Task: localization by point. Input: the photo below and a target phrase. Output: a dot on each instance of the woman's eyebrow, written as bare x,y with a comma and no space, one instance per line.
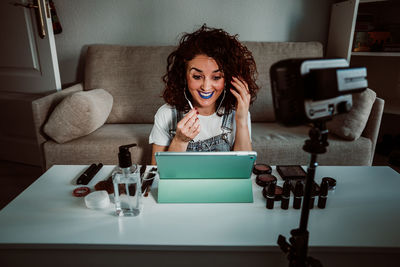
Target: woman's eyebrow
196,69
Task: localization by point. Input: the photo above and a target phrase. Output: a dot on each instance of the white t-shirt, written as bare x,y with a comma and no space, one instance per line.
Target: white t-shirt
210,126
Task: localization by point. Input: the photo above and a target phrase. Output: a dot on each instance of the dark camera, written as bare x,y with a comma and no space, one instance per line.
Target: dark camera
307,90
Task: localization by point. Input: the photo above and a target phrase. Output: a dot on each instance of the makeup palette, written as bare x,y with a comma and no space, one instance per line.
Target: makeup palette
291,172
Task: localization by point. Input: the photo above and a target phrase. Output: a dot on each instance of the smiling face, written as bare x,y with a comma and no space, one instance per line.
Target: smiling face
205,83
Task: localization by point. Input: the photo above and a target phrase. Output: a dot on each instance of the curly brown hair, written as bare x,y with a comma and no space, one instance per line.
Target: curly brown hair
233,58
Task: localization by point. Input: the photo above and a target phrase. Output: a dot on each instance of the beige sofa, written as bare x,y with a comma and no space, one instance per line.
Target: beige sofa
132,75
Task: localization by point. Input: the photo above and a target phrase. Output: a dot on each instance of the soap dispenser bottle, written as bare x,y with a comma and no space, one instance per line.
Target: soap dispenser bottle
127,184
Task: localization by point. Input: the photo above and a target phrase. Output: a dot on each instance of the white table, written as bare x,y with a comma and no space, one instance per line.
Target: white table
47,226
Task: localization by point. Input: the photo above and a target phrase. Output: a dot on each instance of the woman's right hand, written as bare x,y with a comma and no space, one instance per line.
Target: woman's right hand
188,128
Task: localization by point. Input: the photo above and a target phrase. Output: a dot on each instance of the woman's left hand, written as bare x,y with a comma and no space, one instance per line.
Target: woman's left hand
243,98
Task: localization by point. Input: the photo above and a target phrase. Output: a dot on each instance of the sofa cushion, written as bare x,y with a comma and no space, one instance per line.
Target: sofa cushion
102,146
266,54
276,144
350,125
43,107
78,115
132,75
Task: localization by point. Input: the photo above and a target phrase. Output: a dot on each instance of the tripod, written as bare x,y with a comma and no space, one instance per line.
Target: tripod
298,246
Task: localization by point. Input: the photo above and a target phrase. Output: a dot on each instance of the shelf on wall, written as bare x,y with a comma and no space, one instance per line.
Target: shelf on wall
376,54
371,1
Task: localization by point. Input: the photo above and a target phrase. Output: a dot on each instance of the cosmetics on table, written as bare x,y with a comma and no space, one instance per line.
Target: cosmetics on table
312,197
147,181
265,179
97,200
94,172
278,192
81,191
85,174
88,175
285,195
271,195
127,175
291,172
298,194
331,182
316,188
323,194
261,168
294,179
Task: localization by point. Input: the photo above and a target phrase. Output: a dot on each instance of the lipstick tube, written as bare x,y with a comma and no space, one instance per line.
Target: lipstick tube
312,197
323,194
285,195
298,193
314,193
271,195
83,177
92,173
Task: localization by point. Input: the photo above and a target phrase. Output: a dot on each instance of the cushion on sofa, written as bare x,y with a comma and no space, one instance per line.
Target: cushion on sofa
78,115
351,125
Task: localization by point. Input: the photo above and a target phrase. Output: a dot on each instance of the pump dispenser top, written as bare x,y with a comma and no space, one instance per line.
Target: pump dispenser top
124,156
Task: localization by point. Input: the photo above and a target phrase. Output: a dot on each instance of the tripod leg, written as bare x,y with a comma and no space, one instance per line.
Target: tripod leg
299,241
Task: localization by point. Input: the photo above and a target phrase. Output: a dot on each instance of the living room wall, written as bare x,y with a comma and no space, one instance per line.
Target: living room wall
160,22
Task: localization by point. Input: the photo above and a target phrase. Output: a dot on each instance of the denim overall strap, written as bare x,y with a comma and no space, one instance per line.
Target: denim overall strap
179,117
227,122
172,129
176,117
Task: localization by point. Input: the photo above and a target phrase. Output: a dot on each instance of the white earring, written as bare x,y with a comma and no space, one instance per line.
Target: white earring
223,97
190,103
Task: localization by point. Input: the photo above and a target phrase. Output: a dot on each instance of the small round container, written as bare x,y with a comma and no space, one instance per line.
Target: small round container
81,191
265,179
262,169
331,182
278,192
97,200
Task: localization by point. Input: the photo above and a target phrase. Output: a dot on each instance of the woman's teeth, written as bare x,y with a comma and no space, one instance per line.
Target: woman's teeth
206,95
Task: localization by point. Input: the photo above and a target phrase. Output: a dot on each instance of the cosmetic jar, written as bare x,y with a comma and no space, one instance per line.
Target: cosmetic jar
262,169
97,200
265,179
331,182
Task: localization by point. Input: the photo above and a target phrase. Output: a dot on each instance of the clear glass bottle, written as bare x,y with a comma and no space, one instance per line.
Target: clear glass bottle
127,185
127,191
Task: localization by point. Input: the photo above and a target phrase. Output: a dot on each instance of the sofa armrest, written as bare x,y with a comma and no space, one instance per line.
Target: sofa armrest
371,130
42,108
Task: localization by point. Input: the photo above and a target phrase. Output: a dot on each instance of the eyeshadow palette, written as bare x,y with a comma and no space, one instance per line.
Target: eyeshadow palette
291,172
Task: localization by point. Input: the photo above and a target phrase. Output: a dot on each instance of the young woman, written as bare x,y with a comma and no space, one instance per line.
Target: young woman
209,86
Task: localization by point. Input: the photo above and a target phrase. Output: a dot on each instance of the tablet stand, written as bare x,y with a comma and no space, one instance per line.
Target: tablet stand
298,246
